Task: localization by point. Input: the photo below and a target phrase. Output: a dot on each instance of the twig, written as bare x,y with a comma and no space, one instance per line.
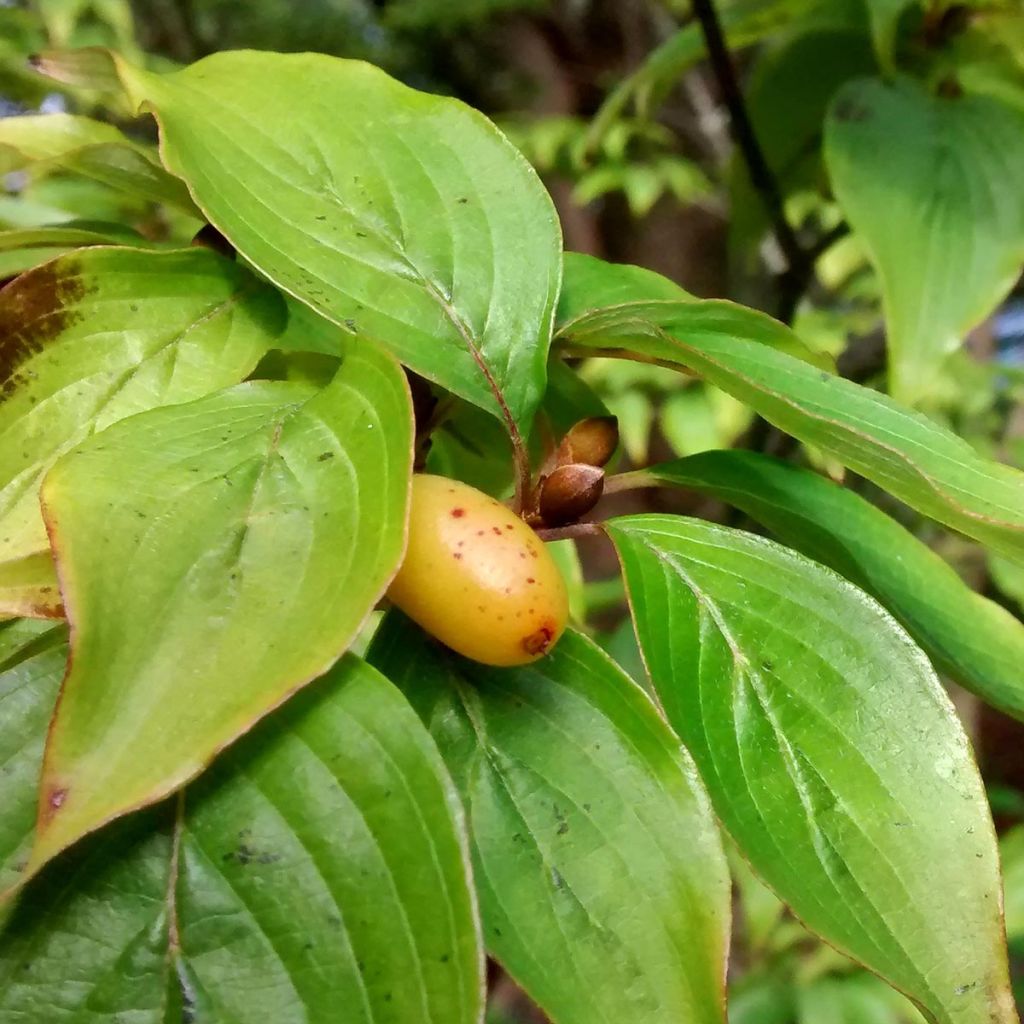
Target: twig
800,261
761,175
571,532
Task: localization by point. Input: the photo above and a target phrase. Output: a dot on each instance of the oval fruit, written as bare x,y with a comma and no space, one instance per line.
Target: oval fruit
477,577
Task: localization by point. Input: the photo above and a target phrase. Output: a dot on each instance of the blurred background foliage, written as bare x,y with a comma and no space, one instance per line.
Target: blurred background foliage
618,107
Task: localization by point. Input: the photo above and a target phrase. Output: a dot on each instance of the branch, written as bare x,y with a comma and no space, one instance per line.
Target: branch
571,532
761,175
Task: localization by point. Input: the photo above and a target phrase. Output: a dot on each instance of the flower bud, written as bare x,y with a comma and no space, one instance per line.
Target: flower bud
591,441
570,492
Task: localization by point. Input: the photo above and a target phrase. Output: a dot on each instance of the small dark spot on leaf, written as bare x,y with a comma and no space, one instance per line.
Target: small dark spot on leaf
324,456
458,513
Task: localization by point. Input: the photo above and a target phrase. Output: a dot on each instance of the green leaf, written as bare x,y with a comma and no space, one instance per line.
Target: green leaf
788,95
88,68
71,235
602,883
213,557
831,753
16,261
1011,849
41,137
567,558
22,249
638,317
32,656
743,22
973,639
101,334
912,457
589,284
318,868
28,587
1008,577
929,184
45,143
857,999
885,19
410,219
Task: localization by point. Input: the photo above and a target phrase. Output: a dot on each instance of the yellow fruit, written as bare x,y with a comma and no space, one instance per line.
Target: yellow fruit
477,577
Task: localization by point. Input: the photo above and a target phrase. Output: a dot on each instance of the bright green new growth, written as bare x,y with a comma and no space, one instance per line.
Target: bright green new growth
214,557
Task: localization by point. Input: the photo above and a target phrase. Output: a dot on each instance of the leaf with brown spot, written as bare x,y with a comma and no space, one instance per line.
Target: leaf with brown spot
29,589
101,334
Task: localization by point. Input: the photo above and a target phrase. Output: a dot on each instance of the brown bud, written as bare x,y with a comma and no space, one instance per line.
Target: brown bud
570,492
591,441
208,237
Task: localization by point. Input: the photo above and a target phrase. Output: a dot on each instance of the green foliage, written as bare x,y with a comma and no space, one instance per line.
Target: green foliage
573,787
289,881
635,158
83,359
247,545
205,463
821,758
915,459
920,178
377,224
980,644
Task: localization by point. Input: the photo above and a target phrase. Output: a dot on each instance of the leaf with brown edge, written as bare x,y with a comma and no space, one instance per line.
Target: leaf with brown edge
409,218
32,659
603,887
320,863
214,557
831,754
967,636
909,455
100,334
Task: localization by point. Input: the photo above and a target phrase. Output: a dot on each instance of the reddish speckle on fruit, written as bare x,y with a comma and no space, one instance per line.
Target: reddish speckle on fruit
484,605
538,642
